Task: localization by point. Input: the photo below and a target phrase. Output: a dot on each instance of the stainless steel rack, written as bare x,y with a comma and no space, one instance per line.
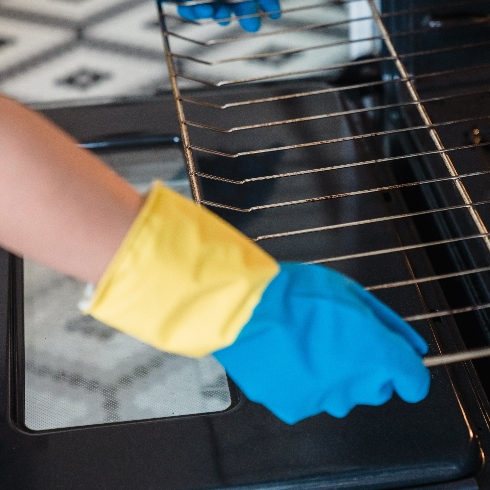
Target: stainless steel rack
431,80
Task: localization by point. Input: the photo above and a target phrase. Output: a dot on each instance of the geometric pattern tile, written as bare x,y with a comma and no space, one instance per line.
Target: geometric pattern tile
21,41
140,26
78,10
84,72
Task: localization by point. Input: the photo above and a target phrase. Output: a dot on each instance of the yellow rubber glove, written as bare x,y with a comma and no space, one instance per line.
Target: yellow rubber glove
183,280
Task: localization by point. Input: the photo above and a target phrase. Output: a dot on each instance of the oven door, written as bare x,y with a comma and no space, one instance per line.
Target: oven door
83,407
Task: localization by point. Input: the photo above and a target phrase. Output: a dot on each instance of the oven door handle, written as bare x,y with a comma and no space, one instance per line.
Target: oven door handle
126,141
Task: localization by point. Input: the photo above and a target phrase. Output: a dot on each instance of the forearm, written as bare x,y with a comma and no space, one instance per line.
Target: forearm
59,205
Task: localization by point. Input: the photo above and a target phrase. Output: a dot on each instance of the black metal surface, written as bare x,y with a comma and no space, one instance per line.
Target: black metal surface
388,447
407,444
459,78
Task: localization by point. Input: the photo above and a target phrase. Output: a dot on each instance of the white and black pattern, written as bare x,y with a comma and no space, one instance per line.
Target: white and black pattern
85,73
81,11
38,37
62,50
140,26
22,43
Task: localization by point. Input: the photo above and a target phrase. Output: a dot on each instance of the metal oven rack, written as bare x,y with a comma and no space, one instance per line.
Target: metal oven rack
376,166
269,144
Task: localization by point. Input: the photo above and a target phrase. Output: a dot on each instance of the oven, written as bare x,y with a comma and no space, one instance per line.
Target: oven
366,152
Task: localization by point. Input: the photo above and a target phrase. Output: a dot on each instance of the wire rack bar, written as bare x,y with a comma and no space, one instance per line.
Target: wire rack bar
420,280
350,194
401,248
291,74
431,128
328,115
269,54
295,95
189,158
381,219
427,126
297,173
332,3
335,66
242,37
290,30
449,312
467,355
337,90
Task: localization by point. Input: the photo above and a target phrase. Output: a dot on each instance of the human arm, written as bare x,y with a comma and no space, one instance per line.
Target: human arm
300,339
59,204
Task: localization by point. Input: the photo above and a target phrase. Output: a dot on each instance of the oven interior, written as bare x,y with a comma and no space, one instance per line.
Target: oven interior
376,167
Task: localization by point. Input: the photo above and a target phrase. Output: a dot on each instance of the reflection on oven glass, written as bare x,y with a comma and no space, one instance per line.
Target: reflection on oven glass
80,372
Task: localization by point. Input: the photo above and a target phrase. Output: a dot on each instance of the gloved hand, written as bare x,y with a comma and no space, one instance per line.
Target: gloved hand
318,341
221,10
300,339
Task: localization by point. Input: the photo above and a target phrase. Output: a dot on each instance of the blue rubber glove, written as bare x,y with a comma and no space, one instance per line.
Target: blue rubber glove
221,10
318,341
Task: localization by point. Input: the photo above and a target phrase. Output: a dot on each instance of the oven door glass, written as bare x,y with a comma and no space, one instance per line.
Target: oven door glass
80,372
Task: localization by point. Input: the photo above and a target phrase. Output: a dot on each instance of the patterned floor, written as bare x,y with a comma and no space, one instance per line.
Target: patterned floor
67,50
78,371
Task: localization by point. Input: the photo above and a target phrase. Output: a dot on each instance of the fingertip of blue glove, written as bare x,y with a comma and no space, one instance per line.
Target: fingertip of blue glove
204,10
186,12
250,24
222,12
339,412
287,418
415,388
222,15
271,6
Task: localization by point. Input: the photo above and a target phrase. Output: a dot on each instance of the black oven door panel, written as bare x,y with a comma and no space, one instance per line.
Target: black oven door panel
439,443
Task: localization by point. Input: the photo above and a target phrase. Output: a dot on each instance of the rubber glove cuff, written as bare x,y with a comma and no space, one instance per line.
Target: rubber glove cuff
183,280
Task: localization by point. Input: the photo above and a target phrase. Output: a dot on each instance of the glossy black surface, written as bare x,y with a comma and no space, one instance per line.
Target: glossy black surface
397,445
372,448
